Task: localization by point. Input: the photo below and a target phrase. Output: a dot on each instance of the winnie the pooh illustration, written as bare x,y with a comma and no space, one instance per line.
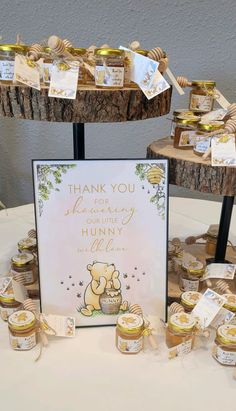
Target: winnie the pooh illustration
104,276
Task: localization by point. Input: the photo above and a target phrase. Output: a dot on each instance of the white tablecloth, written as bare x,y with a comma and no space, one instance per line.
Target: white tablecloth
88,373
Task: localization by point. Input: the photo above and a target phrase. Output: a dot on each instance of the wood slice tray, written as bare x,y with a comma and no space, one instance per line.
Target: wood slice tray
198,250
190,171
91,105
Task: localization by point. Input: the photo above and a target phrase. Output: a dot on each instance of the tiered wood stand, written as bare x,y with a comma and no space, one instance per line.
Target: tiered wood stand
91,105
190,171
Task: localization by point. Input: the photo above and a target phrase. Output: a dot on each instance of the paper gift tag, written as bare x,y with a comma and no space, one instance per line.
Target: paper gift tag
144,72
226,271
4,283
214,115
20,291
221,100
180,349
26,72
224,316
223,150
64,81
62,325
207,307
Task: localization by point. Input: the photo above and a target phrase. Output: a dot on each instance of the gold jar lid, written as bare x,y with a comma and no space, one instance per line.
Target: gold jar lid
196,268
142,52
190,120
7,296
204,83
226,334
78,51
190,298
181,322
211,125
192,265
27,243
230,302
130,323
15,48
109,52
22,259
21,320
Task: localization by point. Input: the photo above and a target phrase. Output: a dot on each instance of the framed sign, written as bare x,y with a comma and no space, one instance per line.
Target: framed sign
102,237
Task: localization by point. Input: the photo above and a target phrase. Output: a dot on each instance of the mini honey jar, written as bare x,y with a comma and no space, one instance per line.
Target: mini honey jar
27,245
190,279
81,53
224,349
211,239
201,98
202,141
189,299
109,69
179,112
180,329
185,131
8,304
7,60
129,333
24,263
230,302
22,327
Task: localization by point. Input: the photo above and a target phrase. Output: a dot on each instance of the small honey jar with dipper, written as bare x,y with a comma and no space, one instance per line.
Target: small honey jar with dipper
129,333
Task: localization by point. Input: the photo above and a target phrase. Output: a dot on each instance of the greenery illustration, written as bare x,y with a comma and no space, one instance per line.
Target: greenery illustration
155,175
49,177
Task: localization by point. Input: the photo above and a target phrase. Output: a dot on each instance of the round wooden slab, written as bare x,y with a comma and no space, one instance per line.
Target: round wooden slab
91,105
190,171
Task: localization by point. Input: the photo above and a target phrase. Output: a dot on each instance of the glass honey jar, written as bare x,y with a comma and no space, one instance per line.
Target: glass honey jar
7,60
190,278
27,245
81,53
180,330
22,327
224,349
24,263
211,239
201,97
230,302
202,141
189,299
109,69
129,333
8,304
185,132
179,112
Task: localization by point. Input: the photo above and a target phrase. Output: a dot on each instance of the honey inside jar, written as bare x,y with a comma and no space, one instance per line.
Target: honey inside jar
189,299
180,329
185,132
201,97
224,349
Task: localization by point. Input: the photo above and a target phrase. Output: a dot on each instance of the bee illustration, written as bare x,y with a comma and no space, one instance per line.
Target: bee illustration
127,287
67,288
81,283
143,187
125,275
138,279
133,276
135,268
62,282
73,284
144,273
70,276
79,295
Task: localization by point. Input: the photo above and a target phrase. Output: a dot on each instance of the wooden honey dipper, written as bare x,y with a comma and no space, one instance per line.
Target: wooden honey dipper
136,309
229,127
32,233
183,81
163,64
223,287
35,52
156,54
58,47
67,44
175,308
231,110
19,278
134,45
29,305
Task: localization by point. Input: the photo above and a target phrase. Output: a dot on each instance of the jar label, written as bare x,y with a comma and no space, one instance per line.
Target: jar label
129,346
47,69
202,146
28,275
181,349
224,357
6,70
190,285
109,76
5,312
23,343
187,138
201,103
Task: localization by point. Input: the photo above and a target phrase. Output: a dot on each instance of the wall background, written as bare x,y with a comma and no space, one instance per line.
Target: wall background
199,38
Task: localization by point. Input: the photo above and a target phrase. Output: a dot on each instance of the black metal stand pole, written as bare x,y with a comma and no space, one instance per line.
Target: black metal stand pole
78,141
226,212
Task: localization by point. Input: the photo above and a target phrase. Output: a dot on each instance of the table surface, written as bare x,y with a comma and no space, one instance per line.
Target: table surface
88,372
